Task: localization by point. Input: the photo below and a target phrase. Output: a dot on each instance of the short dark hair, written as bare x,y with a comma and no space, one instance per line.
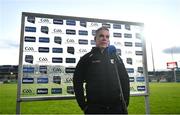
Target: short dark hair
101,28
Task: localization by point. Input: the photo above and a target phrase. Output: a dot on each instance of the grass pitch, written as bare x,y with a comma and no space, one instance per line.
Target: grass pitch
164,99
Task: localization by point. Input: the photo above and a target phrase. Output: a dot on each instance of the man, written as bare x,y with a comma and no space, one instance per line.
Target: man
105,79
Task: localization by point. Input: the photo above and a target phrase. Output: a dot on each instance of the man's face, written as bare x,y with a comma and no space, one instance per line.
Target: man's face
102,39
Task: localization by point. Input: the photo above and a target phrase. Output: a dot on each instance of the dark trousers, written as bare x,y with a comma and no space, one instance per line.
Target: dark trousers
103,109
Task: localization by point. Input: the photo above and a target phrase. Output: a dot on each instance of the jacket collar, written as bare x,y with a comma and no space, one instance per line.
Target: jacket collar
98,50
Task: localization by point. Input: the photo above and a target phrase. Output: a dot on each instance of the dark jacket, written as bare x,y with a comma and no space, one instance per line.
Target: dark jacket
97,71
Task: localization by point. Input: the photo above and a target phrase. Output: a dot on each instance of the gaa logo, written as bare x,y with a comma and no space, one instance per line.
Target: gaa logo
118,44
94,24
43,59
57,31
70,41
27,91
44,20
128,52
82,50
29,49
57,70
68,80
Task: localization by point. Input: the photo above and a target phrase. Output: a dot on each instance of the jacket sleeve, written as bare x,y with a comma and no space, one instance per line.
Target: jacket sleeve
78,84
124,78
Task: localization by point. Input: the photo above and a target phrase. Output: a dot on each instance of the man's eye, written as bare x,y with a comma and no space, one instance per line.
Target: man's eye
107,36
101,35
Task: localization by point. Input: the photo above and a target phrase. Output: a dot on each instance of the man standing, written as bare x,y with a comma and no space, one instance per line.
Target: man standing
105,77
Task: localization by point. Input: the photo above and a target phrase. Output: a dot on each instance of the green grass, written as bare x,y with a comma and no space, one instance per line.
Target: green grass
164,99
